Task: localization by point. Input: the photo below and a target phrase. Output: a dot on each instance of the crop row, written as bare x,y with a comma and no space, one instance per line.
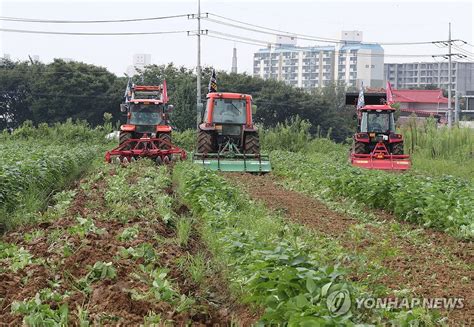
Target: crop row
274,264
30,172
130,223
444,203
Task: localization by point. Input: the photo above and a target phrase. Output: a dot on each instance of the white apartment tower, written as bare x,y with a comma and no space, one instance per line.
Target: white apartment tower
352,62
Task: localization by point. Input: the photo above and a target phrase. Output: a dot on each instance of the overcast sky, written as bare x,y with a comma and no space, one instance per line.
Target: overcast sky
380,21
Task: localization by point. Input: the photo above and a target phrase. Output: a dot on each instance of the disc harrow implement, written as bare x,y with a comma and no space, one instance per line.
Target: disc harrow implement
158,149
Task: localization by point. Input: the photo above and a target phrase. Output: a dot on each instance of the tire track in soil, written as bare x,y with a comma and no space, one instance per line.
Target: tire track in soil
430,273
112,297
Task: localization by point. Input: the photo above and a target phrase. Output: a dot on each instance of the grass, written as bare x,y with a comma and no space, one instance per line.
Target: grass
183,230
440,150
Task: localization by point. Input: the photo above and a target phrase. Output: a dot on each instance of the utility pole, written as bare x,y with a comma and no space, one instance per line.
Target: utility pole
450,109
449,56
198,68
199,32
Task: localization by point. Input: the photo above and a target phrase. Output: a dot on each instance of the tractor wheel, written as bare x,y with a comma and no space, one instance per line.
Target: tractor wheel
124,136
205,142
252,144
166,137
360,148
397,148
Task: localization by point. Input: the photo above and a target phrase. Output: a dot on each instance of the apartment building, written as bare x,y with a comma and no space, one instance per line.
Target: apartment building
422,74
352,62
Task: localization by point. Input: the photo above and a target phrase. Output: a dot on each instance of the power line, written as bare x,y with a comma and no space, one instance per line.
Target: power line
88,33
54,21
237,38
300,36
233,40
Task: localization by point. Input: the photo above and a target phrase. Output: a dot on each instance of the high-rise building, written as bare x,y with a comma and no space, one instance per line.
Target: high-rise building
422,74
352,62
140,61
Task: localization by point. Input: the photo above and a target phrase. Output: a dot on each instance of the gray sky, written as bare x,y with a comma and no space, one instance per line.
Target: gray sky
380,21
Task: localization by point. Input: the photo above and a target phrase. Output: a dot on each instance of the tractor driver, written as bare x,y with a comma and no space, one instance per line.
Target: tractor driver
378,123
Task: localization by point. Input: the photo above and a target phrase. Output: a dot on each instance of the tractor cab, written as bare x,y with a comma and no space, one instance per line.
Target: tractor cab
146,110
145,116
377,121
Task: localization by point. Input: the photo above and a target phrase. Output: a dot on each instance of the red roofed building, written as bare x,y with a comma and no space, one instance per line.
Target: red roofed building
421,101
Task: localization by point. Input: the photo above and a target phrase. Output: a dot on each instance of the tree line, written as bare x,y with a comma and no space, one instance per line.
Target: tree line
60,90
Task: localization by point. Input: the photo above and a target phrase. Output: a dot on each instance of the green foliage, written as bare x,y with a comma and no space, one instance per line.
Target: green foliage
292,135
443,203
57,91
183,230
440,150
101,270
39,312
144,251
84,227
129,234
194,265
121,195
160,289
38,161
185,139
439,142
273,271
16,258
273,264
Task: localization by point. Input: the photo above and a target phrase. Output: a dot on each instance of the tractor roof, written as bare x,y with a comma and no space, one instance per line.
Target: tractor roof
227,95
377,107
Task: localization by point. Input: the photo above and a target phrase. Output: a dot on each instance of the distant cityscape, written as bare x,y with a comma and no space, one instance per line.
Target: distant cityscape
352,62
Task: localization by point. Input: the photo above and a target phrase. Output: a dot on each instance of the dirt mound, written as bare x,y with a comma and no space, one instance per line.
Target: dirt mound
64,253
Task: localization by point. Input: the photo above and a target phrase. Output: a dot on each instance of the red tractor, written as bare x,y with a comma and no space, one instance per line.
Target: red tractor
147,114
227,139
376,145
147,132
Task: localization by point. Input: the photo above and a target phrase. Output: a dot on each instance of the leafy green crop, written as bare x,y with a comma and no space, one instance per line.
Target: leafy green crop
268,260
16,258
443,203
30,171
39,312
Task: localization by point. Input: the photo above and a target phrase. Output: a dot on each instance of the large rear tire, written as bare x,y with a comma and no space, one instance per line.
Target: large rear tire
166,137
252,144
360,148
124,136
397,148
205,142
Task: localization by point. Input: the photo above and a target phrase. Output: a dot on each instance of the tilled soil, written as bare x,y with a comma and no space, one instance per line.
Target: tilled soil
440,267
111,302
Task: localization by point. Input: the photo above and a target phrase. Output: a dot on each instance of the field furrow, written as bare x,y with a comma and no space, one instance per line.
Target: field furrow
380,252
119,250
